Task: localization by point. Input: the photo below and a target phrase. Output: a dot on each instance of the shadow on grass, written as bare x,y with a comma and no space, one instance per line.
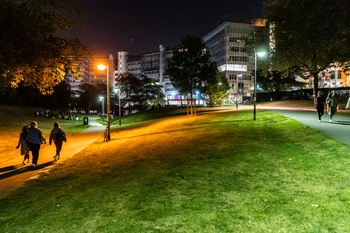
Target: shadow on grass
13,170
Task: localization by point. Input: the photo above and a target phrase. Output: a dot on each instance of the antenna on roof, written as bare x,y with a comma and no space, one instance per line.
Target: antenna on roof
132,45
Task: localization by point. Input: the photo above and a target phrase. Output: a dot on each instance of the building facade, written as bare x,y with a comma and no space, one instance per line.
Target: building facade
227,48
150,64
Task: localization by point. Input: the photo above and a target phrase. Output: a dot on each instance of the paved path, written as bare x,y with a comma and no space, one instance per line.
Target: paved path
339,128
13,173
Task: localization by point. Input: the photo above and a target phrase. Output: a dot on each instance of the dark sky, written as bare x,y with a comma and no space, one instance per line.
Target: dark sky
108,25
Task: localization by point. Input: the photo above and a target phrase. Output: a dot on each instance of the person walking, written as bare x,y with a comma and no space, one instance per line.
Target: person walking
332,105
320,105
34,140
23,144
58,136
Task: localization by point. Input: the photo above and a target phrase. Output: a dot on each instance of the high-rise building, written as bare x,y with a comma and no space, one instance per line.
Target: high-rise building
227,48
150,64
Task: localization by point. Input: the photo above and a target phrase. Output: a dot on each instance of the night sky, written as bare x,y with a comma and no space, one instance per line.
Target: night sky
108,26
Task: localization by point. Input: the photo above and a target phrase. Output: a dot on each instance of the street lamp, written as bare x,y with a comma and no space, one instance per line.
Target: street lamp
105,67
237,76
119,107
102,99
259,54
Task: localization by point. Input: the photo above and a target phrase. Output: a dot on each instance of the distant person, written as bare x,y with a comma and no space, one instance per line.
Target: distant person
58,136
320,105
34,140
23,144
332,105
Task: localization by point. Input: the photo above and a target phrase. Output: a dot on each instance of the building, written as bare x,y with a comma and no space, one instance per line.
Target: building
227,48
150,64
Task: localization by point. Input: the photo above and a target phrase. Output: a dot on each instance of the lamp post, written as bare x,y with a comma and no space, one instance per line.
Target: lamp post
105,67
119,107
237,76
259,54
102,99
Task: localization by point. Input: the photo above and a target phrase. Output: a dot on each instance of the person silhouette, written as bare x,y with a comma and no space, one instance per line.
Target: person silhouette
332,105
23,144
320,105
34,140
58,136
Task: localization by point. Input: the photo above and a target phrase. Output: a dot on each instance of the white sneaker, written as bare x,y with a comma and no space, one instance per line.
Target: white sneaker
34,165
330,120
319,121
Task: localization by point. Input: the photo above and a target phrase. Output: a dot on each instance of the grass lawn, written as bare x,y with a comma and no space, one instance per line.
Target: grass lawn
216,172
13,118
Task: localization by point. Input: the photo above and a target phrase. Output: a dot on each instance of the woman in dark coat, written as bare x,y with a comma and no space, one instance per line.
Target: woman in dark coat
320,105
332,105
58,136
23,144
34,140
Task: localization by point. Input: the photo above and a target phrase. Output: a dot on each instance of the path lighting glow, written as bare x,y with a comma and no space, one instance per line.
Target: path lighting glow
105,67
256,54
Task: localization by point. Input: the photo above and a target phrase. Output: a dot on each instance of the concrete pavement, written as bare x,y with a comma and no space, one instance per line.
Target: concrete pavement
339,128
13,173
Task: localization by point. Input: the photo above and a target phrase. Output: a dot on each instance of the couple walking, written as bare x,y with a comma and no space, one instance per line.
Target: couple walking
331,103
31,138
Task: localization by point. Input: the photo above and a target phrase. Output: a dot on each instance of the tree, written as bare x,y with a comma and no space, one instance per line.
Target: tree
190,67
276,81
217,92
88,96
151,93
140,92
32,51
311,34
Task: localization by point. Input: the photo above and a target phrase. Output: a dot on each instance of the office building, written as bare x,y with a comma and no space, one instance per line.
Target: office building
227,48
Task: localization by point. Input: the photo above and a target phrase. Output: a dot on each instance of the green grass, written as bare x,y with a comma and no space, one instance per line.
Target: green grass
13,118
216,172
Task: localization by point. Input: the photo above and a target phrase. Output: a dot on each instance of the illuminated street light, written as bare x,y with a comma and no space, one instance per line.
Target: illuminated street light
259,54
105,67
102,99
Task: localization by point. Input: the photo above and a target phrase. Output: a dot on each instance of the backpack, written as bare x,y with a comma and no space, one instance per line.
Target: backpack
60,136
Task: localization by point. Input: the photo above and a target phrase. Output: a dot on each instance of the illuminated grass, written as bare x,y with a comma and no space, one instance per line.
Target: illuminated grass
216,172
13,118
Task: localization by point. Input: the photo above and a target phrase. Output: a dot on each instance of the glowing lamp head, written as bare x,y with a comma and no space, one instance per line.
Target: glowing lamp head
101,67
261,54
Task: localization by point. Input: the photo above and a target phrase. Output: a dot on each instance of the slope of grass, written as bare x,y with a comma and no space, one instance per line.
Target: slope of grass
13,118
217,172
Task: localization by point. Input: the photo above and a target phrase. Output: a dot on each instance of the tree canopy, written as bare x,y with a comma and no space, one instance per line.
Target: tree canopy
190,68
140,92
217,92
309,36
32,51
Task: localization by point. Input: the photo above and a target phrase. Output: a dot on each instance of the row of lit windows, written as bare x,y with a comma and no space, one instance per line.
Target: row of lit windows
235,39
239,58
238,49
241,77
150,61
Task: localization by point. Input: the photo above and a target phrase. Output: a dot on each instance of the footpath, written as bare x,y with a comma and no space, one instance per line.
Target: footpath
338,128
13,174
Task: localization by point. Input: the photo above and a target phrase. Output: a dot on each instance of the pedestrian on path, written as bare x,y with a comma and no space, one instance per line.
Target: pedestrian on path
58,136
332,105
23,144
320,105
34,140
